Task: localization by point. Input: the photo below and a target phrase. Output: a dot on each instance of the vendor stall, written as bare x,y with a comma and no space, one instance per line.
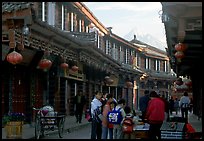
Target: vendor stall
141,131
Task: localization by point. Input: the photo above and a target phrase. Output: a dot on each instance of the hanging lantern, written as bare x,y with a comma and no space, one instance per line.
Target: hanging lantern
14,57
188,83
180,47
179,82
179,54
181,88
75,68
45,64
109,81
64,65
129,84
107,77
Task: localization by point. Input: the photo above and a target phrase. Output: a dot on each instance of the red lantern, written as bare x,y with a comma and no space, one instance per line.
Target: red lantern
64,65
179,82
45,64
179,54
180,47
129,84
188,83
14,57
75,68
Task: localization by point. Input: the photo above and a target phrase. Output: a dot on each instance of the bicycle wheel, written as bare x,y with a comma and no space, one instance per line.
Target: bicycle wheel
37,127
61,127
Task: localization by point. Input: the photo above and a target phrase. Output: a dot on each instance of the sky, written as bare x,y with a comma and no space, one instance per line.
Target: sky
143,17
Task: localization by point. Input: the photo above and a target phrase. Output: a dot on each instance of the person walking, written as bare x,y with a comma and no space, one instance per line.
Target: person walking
155,115
191,105
184,105
117,128
79,102
176,105
171,105
96,104
106,109
143,102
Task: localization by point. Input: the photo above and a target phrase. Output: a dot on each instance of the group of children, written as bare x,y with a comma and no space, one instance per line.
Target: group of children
104,125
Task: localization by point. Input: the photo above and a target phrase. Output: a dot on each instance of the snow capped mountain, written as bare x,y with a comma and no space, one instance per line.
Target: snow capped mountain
146,38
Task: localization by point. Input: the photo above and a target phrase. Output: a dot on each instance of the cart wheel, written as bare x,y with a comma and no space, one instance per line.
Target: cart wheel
61,127
37,128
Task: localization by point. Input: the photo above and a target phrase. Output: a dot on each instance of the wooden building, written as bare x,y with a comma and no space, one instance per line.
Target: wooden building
183,26
50,34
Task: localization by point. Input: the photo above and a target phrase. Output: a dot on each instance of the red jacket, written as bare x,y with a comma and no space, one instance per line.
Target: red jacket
155,111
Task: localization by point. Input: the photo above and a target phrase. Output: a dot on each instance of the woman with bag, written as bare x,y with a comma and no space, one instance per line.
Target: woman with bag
106,109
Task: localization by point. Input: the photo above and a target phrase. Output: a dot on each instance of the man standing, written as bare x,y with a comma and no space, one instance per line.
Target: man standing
155,115
143,102
96,113
79,102
184,103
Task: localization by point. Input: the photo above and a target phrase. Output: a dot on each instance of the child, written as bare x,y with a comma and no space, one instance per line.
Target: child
129,114
110,125
117,128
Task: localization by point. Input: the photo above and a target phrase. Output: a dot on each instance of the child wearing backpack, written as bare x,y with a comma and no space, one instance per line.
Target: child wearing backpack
117,128
110,125
127,123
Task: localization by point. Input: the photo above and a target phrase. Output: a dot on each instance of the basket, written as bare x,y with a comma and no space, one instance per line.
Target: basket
14,130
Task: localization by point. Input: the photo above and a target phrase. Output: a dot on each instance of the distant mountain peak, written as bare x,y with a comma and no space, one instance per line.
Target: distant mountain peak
144,37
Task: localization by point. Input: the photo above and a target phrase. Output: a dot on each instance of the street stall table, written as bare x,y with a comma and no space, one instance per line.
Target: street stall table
141,131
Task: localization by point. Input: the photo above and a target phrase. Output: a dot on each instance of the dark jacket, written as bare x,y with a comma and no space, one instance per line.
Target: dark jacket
143,103
82,103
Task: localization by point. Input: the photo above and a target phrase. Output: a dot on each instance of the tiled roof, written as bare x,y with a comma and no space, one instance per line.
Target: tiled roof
156,53
15,6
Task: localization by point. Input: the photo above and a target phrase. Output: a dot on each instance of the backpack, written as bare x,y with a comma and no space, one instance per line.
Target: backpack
127,125
115,116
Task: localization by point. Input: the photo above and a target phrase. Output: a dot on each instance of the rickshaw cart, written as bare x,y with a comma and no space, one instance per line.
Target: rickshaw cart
45,123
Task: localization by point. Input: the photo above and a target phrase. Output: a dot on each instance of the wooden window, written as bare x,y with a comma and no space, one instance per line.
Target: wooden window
75,22
79,25
114,51
157,65
51,13
146,63
107,47
72,22
127,56
62,20
121,55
